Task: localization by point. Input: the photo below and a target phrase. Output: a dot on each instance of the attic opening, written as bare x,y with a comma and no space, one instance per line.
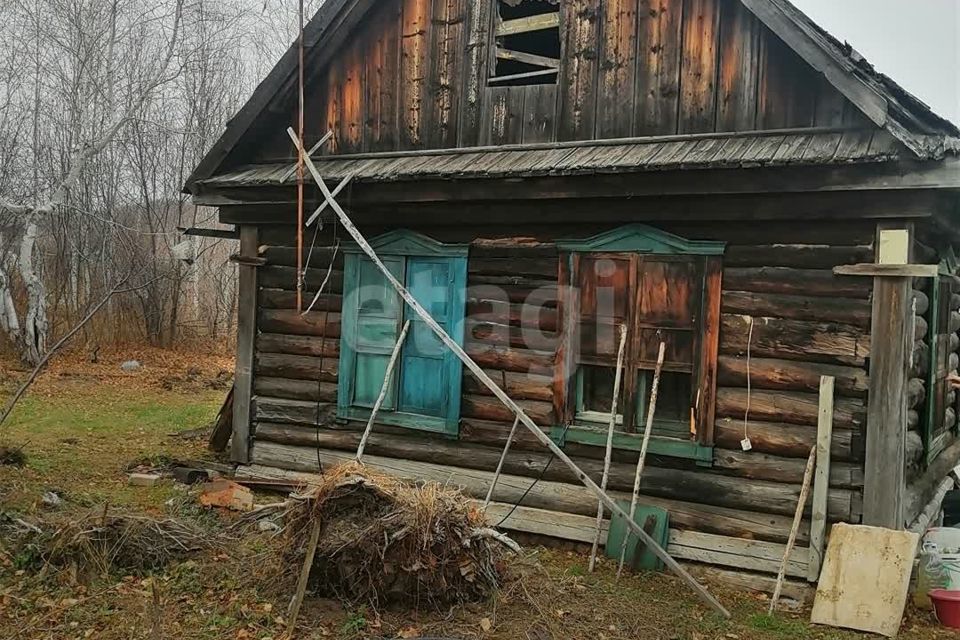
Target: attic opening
526,43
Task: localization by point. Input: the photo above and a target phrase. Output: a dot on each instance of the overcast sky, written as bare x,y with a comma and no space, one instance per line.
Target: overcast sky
917,42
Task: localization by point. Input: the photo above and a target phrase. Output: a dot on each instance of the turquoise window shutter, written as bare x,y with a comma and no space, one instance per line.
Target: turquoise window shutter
426,385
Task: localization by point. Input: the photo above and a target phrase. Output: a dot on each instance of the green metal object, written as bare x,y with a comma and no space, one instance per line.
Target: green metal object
655,521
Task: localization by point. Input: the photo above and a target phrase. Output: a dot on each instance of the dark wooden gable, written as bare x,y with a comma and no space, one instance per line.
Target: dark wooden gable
413,75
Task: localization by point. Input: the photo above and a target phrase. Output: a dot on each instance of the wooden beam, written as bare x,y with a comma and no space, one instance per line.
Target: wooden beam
891,270
821,484
891,349
528,24
246,335
522,76
527,58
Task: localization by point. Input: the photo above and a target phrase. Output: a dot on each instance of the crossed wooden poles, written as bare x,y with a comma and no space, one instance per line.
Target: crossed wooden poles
450,343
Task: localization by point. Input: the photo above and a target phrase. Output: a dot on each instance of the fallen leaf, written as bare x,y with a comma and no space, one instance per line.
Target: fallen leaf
485,624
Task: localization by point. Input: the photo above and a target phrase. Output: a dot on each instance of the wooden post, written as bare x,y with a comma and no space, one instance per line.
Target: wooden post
797,518
608,455
503,458
387,377
891,347
647,430
821,483
297,601
246,338
502,396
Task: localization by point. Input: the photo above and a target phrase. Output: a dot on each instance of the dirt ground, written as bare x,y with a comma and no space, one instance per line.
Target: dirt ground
84,425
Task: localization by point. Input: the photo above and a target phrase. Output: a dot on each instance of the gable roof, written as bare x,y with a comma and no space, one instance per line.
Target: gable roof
883,101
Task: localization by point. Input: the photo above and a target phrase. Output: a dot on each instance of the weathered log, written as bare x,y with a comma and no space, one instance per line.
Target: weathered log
953,362
794,307
949,418
519,386
920,491
914,451
745,525
954,342
955,301
763,466
296,412
518,265
288,321
810,282
790,375
954,322
539,296
283,299
286,256
916,393
787,406
794,340
509,335
673,484
781,439
273,277
298,345
922,303
519,360
913,420
797,256
494,434
291,389
505,313
920,360
490,408
919,328
282,365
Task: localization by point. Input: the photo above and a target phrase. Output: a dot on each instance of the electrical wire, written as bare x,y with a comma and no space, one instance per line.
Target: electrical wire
539,479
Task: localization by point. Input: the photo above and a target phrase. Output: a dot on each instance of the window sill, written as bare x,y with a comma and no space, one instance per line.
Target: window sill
431,424
658,446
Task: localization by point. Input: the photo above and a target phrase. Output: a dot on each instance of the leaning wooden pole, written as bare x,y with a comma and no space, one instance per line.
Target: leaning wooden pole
797,517
501,395
647,430
387,378
608,454
503,458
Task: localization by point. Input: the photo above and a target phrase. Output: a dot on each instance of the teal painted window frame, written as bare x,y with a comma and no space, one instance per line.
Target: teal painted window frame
400,247
639,239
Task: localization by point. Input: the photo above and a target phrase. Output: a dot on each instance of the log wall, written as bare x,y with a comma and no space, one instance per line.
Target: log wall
805,322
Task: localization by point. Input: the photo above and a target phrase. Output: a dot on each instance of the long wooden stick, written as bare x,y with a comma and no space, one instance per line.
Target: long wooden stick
608,454
503,457
388,376
647,430
501,395
297,601
797,517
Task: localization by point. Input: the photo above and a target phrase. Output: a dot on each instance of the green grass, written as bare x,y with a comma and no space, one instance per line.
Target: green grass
81,441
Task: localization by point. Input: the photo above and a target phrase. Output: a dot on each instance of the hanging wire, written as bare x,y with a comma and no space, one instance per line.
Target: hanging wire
300,164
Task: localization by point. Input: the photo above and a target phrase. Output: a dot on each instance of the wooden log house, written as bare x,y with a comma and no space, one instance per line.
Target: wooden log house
540,172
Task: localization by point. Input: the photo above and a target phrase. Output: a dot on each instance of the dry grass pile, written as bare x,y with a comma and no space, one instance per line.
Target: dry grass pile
103,543
385,541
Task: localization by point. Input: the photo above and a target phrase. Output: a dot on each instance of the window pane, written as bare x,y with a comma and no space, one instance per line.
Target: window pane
668,293
596,390
376,296
672,415
604,287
